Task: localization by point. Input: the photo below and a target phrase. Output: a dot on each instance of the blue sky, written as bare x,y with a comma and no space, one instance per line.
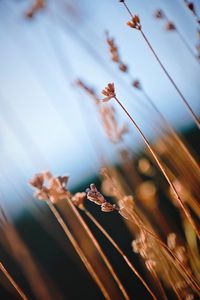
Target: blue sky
44,122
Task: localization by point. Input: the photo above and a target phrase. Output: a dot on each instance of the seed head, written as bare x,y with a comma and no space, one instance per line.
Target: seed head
191,7
78,199
123,67
159,14
55,189
112,48
127,202
90,91
38,5
37,181
108,207
150,264
110,124
135,23
171,240
170,26
137,84
94,195
109,92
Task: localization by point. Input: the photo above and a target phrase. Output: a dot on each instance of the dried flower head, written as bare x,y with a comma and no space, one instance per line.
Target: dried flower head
90,91
171,240
136,83
112,48
78,199
94,195
37,181
108,207
109,92
159,14
144,246
180,251
170,26
108,188
113,131
55,189
127,202
135,23
150,264
38,5
115,53
123,67
110,184
140,245
190,6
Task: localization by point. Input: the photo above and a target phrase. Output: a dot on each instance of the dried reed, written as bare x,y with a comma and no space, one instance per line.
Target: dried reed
113,48
135,23
170,26
80,203
127,211
191,6
109,93
13,282
52,196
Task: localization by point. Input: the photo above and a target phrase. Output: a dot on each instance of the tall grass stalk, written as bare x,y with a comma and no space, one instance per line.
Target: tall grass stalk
97,246
115,245
79,251
13,282
181,203
196,119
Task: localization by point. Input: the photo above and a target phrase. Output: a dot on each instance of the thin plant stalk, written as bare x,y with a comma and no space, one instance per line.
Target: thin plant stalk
120,285
105,233
170,128
173,257
160,287
135,218
196,119
181,37
13,282
78,250
161,168
176,292
183,40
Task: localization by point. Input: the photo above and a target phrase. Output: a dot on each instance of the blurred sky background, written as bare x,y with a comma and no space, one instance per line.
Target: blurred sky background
45,123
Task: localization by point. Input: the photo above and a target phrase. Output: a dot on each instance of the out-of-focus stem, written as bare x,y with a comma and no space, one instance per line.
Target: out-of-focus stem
105,233
106,261
13,282
78,250
196,119
179,200
157,280
170,129
173,258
